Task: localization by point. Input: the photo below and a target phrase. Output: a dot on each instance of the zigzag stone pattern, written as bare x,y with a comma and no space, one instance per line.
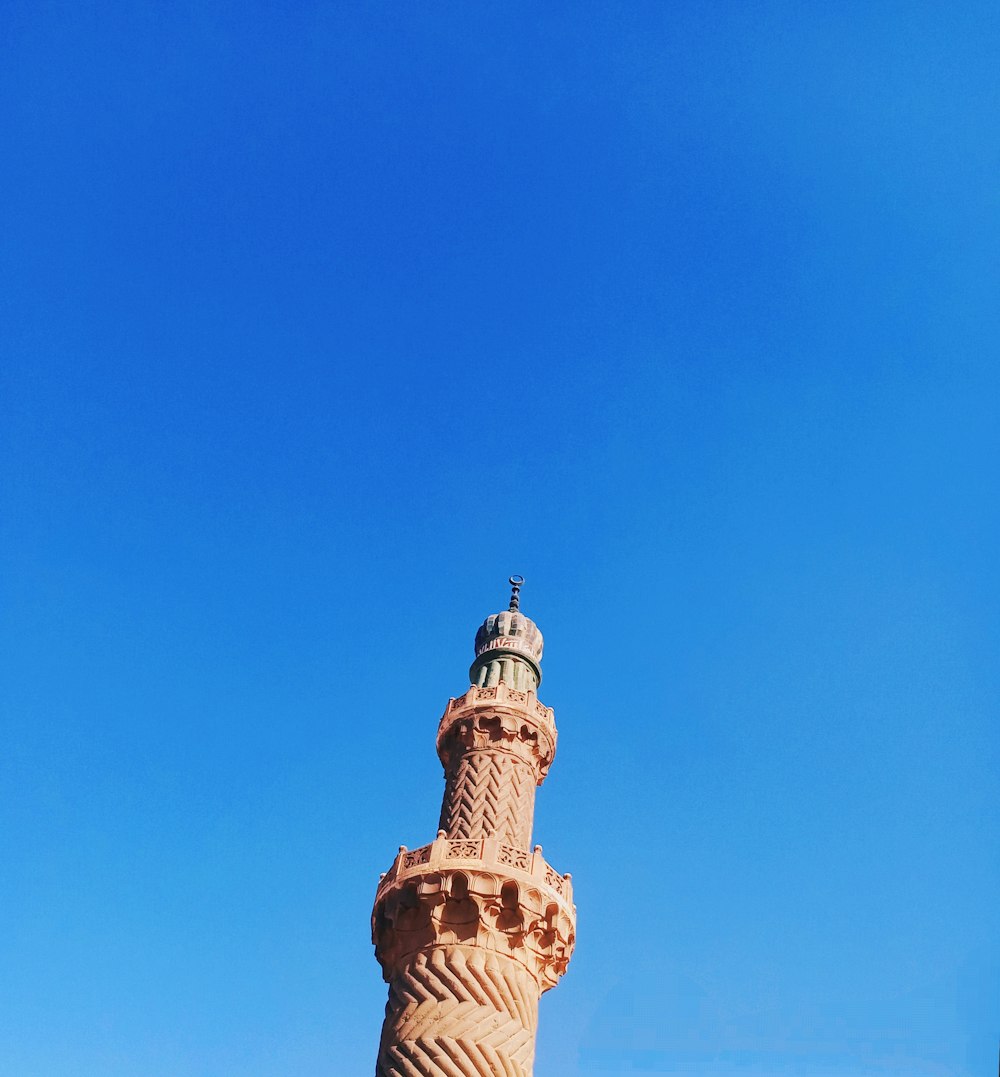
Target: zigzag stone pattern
473,928
461,1011
490,794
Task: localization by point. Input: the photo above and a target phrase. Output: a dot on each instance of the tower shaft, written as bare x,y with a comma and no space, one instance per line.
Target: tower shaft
471,929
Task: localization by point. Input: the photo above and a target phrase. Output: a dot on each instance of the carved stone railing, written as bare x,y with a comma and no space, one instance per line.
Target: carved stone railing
500,693
446,852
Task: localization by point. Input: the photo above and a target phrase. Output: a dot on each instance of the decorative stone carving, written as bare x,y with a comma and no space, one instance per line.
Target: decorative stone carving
417,856
515,913
489,793
496,745
459,1012
502,719
467,850
471,929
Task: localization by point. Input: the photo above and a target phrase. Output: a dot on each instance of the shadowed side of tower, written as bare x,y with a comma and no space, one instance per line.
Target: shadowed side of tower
471,929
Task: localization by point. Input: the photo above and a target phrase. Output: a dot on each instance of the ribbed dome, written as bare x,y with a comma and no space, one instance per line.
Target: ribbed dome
510,630
508,648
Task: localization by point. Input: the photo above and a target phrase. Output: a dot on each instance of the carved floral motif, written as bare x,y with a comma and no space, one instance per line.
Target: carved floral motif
417,856
554,880
469,850
516,858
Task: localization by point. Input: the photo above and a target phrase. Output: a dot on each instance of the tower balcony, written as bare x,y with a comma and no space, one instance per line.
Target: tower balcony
478,892
500,716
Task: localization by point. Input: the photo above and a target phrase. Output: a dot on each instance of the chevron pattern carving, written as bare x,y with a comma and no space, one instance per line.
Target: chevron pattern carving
459,1011
490,794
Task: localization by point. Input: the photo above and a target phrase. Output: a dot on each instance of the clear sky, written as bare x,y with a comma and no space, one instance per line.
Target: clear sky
319,320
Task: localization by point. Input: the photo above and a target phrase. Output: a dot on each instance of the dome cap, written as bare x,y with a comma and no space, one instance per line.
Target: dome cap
510,632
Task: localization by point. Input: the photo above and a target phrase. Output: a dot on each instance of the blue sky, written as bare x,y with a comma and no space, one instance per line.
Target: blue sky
320,320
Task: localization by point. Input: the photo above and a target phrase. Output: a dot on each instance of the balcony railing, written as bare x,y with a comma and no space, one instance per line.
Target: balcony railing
489,853
500,693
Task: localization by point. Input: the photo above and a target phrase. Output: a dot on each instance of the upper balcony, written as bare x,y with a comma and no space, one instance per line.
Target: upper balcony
500,694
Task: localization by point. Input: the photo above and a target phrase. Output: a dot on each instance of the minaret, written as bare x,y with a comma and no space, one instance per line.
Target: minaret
471,929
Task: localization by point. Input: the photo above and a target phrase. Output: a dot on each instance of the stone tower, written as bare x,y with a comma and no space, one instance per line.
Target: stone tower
472,928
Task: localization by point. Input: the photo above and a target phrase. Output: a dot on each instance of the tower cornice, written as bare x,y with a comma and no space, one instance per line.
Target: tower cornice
503,719
481,892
